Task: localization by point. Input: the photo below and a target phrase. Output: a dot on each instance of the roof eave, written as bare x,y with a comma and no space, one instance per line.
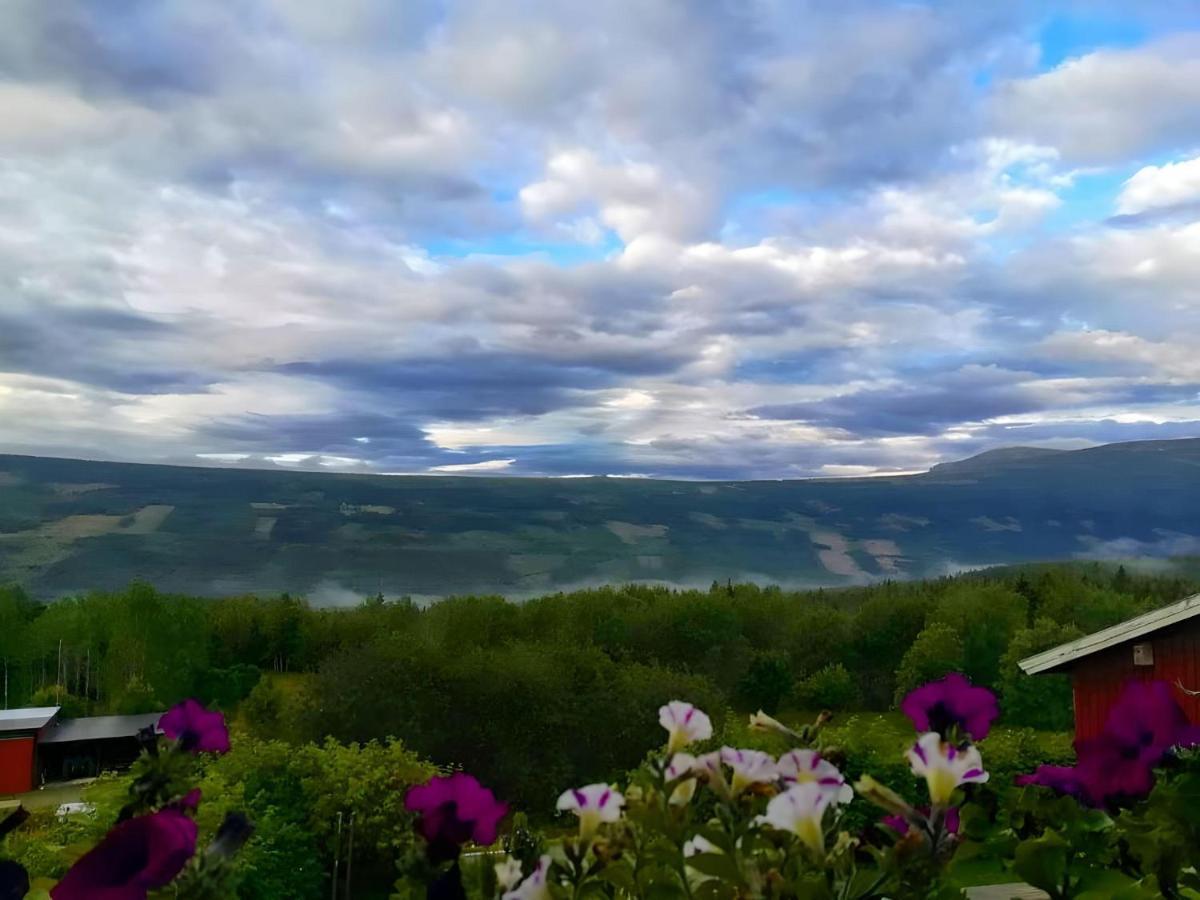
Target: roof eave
1065,655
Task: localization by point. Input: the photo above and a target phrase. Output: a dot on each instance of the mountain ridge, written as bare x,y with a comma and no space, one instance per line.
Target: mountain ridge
75,525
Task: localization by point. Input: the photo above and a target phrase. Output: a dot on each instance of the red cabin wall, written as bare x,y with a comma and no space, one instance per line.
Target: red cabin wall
1098,679
16,765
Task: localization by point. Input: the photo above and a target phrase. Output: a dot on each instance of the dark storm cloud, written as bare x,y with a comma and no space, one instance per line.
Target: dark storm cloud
470,386
94,346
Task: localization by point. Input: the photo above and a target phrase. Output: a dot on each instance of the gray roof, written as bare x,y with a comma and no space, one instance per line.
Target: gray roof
1065,654
98,728
30,719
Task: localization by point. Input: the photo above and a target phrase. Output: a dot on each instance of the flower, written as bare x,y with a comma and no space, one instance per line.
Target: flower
508,873
1065,780
682,766
800,810
901,826
685,725
196,729
1147,721
1143,725
760,721
189,802
137,856
235,830
692,847
952,702
699,844
802,766
749,767
945,766
593,804
708,769
14,880
454,809
534,887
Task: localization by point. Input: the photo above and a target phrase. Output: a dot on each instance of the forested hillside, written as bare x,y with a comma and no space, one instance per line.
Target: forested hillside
558,685
69,526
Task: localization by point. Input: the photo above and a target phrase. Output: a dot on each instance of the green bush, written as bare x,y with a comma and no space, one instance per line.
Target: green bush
938,649
832,687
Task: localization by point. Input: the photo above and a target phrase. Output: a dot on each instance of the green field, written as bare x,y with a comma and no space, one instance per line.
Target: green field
68,525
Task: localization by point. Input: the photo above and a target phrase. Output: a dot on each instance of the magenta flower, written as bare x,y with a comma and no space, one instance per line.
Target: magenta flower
452,810
1066,780
135,857
900,825
952,702
195,728
1141,728
1147,721
189,802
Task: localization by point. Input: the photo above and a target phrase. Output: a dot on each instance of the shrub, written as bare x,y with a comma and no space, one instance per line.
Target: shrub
832,687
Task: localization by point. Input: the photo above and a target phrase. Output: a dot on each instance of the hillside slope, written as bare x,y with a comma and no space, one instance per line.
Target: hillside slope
69,525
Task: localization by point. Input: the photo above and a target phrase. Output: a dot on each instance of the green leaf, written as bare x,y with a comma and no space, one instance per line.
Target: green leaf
713,889
621,875
718,865
1043,861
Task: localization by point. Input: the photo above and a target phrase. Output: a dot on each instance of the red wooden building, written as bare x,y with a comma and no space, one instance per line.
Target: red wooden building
20,730
1163,645
37,746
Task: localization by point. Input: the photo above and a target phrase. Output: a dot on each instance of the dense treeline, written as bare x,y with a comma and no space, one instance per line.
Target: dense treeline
563,687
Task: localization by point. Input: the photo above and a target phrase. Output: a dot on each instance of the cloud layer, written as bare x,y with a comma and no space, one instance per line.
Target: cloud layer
723,240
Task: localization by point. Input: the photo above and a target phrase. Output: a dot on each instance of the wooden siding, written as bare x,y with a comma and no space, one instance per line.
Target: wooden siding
16,765
1098,679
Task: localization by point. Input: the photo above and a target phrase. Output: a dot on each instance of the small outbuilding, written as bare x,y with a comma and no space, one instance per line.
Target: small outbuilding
20,732
1163,645
83,748
37,746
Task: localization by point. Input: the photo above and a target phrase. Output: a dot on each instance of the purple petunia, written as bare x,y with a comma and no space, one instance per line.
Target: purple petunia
952,702
1143,725
900,825
195,728
135,857
452,810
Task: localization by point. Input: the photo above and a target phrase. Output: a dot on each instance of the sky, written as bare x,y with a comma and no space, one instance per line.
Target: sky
667,238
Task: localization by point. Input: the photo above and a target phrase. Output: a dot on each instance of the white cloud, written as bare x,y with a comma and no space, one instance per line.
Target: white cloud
489,465
1153,187
1111,104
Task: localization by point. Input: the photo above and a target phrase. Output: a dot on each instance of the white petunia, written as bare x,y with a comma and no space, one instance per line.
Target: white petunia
760,721
945,766
682,766
508,873
593,804
800,810
685,725
802,766
749,767
536,886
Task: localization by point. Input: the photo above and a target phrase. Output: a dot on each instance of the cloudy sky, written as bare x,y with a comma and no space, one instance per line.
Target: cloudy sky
686,238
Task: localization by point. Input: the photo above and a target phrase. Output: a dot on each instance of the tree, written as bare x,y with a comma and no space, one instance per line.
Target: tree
937,650
1037,701
832,687
767,682
985,616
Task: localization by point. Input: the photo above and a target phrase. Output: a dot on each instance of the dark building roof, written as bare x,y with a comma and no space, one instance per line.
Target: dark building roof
98,728
30,719
1064,655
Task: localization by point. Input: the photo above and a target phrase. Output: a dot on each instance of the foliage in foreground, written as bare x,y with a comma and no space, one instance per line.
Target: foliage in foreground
1123,822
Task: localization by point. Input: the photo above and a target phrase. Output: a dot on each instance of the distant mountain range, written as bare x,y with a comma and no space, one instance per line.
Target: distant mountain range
71,525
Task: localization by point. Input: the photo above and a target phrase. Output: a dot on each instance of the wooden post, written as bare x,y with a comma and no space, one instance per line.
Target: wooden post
350,857
337,847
